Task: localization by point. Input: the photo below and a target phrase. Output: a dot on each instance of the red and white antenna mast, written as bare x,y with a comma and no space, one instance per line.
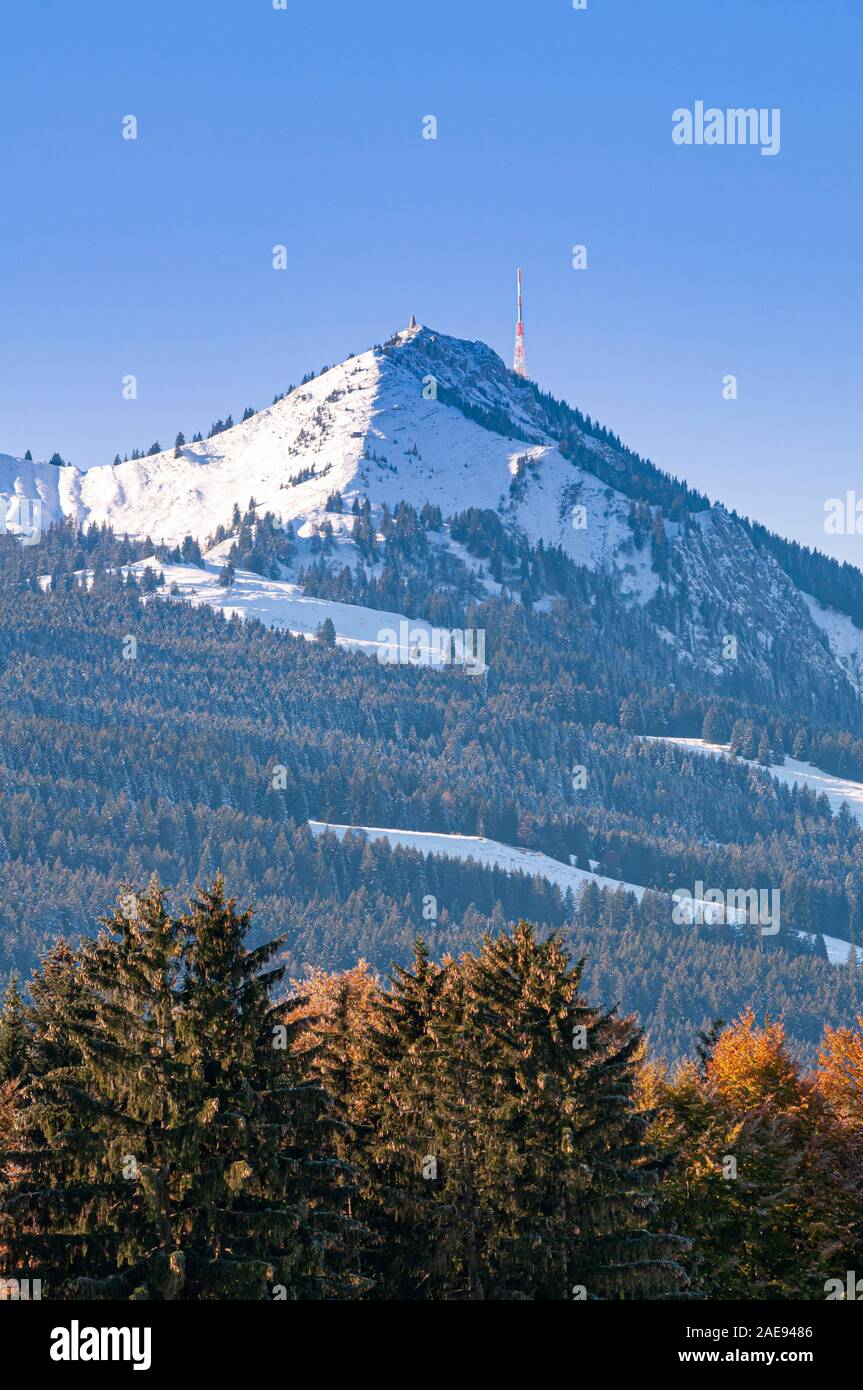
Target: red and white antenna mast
519,365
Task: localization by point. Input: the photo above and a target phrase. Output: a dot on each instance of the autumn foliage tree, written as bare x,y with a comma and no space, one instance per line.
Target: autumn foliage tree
764,1167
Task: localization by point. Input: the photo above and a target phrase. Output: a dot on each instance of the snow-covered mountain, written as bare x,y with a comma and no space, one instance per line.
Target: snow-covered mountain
375,426
430,418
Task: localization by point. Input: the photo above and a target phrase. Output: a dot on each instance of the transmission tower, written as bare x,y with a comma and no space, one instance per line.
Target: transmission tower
519,365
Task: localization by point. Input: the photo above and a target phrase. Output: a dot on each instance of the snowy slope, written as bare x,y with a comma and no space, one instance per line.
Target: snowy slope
792,773
488,853
838,950
368,429
493,854
54,488
278,604
845,640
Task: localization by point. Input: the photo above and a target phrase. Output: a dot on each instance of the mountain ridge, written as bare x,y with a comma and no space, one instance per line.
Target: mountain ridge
430,419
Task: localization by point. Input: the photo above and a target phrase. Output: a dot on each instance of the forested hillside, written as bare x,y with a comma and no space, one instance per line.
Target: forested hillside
218,740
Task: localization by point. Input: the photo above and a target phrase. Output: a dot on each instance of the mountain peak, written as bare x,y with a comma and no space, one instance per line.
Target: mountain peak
429,418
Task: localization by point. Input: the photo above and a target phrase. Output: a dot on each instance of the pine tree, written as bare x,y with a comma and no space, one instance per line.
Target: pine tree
501,1161
256,1159
710,725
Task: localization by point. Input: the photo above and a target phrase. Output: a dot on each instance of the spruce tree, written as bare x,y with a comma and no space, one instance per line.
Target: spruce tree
501,1153
568,1174
395,1110
14,1033
267,1208
166,1142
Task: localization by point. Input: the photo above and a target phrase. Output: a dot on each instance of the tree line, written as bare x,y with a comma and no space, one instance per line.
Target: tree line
178,1122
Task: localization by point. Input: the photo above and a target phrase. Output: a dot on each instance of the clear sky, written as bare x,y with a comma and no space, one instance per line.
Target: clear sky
259,126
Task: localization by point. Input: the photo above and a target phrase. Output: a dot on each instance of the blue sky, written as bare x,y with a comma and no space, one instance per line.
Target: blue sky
304,127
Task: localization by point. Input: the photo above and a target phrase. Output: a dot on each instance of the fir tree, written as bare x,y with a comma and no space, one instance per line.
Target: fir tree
14,1033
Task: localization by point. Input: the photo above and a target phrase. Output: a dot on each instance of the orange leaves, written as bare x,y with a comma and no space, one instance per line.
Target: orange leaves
839,1078
752,1066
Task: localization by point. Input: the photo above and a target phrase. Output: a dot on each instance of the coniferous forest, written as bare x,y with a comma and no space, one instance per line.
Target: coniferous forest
115,769
178,1120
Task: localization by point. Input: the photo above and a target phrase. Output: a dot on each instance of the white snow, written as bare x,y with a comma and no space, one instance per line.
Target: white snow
368,429
846,640
792,773
52,487
278,604
377,427
493,854
837,950
488,853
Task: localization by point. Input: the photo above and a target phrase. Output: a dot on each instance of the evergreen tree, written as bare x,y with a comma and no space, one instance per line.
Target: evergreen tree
258,1174
168,1142
567,1171
14,1033
710,725
395,1111
499,1160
